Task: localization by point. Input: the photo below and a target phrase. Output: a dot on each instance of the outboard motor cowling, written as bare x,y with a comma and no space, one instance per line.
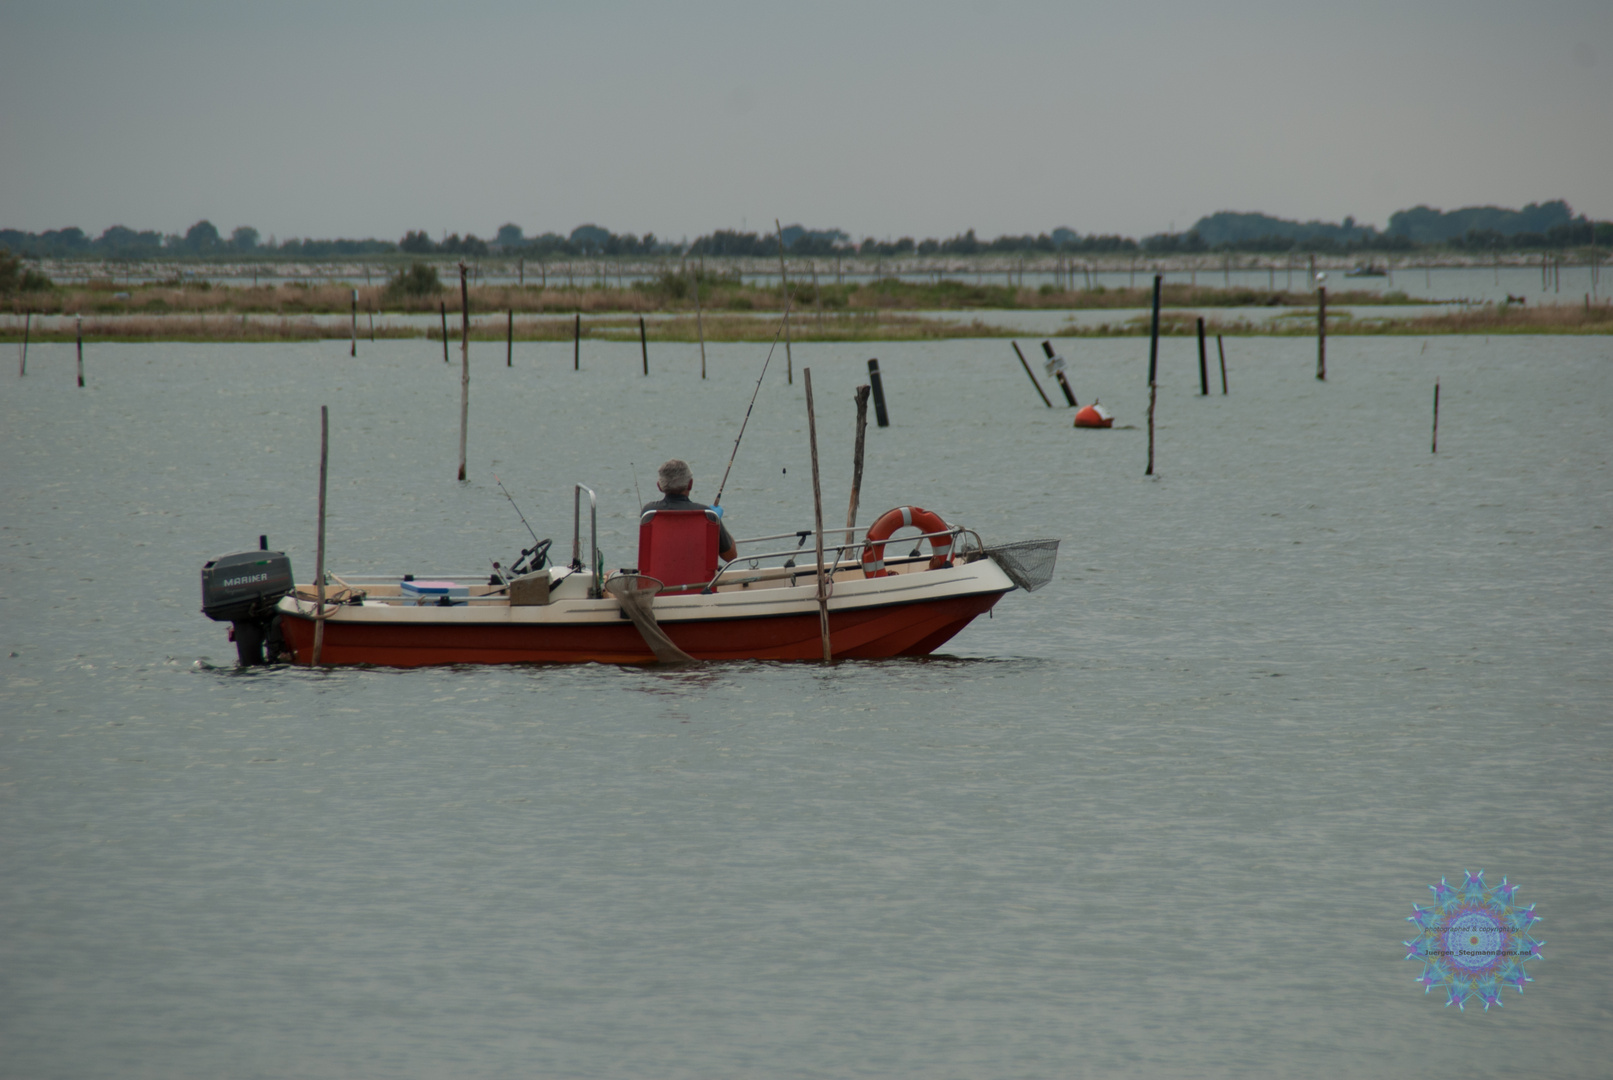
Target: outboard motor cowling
243,588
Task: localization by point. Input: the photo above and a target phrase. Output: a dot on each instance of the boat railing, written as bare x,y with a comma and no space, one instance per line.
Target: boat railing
835,556
844,554
596,587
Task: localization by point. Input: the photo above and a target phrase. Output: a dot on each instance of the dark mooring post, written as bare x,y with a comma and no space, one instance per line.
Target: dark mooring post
878,385
353,336
81,351
1221,350
1204,363
1153,393
643,345
1321,333
464,367
861,398
1031,375
442,306
27,325
509,338
1434,447
576,344
1058,374
1153,344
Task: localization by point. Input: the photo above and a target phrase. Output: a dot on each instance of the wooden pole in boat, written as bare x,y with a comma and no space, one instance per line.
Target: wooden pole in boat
1221,349
1030,375
464,367
784,290
319,556
643,345
1153,392
1204,370
80,324
576,343
353,329
443,307
861,397
817,513
1153,338
1321,333
27,325
1434,447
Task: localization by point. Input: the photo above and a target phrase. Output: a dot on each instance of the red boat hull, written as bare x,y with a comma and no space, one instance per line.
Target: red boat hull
907,629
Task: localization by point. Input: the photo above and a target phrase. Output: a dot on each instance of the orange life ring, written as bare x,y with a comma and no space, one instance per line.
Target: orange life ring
889,522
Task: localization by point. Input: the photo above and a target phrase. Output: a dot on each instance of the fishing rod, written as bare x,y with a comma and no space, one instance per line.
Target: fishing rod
538,553
518,513
788,302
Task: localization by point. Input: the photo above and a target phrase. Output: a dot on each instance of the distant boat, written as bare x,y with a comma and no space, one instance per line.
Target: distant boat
1369,270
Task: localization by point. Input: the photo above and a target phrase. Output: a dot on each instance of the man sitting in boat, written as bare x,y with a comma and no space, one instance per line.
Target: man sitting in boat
675,481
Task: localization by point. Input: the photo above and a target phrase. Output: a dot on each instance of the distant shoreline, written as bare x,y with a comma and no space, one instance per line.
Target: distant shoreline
806,327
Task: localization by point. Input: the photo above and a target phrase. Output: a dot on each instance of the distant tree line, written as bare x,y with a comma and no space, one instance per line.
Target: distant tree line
1482,228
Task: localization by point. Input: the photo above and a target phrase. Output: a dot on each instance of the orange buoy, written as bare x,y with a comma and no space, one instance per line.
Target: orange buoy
1095,416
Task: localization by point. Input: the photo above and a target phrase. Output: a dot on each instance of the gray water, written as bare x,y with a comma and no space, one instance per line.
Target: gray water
1165,817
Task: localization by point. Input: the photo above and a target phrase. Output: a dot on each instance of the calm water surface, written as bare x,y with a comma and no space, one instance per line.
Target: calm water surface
1165,817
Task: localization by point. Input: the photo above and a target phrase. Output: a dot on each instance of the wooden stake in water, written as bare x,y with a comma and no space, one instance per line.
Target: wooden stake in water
509,338
319,551
1153,390
464,367
27,325
80,323
1204,368
353,333
1058,375
1221,349
880,416
861,398
576,343
1153,345
443,307
817,514
1434,446
1321,333
1029,374
700,324
643,345
784,291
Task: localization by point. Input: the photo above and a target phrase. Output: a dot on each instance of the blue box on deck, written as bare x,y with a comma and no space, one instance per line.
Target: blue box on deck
436,591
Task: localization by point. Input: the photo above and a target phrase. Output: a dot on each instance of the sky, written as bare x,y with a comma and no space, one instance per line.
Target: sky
885,119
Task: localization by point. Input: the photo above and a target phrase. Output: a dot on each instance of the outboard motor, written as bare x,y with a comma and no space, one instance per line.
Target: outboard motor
242,588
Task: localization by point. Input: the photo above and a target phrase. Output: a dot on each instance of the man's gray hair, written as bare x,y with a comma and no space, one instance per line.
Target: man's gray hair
675,477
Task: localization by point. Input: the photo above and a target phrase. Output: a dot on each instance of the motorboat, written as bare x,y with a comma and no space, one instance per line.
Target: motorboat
680,603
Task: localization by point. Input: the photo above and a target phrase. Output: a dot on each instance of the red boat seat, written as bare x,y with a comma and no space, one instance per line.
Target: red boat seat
678,547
